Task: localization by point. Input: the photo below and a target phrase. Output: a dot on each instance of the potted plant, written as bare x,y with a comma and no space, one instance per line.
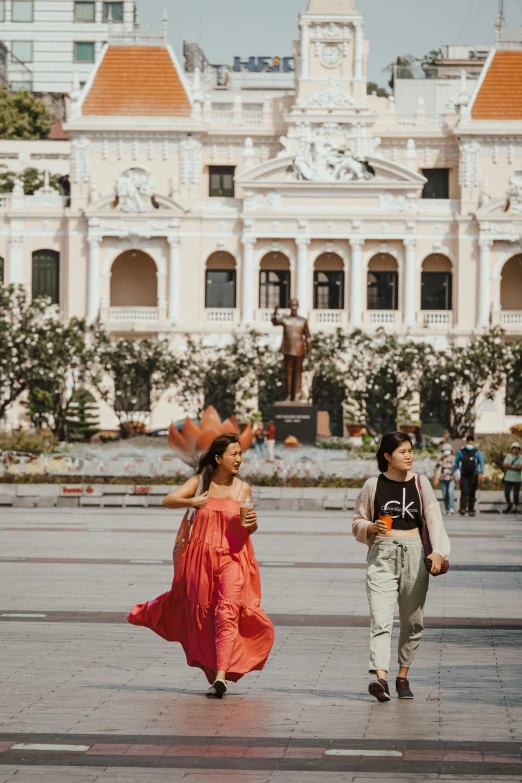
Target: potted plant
352,419
408,416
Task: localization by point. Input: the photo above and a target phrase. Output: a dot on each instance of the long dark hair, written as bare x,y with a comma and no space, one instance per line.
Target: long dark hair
389,443
207,464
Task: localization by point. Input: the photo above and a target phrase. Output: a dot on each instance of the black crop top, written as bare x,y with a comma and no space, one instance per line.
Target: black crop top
400,499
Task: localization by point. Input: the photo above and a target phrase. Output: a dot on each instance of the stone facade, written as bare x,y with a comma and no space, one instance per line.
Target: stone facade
327,203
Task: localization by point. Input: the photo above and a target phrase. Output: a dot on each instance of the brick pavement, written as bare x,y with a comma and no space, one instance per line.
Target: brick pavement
130,699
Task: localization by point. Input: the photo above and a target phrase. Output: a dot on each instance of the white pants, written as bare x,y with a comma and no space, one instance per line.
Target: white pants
270,447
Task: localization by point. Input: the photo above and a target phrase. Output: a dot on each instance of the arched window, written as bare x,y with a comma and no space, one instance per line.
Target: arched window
383,283
511,284
46,274
220,281
274,281
329,282
134,281
436,283
1,270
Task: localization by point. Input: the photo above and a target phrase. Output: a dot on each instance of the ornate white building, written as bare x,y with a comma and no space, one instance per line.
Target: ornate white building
197,207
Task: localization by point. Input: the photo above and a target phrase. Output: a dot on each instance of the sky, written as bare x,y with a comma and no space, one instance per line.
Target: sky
225,28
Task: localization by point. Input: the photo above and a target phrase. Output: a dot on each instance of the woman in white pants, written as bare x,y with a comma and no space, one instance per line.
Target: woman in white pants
396,567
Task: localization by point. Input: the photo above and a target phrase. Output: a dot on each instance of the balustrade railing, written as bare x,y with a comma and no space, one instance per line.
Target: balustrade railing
133,314
437,317
511,318
222,315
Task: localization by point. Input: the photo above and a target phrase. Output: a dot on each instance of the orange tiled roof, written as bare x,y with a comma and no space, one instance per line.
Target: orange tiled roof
500,96
137,81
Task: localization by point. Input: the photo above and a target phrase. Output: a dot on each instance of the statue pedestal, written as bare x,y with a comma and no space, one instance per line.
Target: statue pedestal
294,418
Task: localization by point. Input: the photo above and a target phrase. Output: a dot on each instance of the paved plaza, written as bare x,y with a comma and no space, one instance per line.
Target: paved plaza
100,700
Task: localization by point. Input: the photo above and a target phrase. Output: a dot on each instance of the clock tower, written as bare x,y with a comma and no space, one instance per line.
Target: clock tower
331,55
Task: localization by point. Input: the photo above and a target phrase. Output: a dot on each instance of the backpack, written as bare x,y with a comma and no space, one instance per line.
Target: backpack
469,462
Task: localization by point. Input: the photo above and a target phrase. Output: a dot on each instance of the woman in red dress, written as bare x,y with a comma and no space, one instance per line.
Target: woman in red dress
213,607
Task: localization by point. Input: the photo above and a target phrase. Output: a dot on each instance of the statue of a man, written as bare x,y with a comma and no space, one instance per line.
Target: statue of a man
297,343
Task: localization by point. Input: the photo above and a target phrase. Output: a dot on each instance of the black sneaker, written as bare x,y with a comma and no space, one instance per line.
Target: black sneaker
379,688
402,686
472,513
462,513
508,509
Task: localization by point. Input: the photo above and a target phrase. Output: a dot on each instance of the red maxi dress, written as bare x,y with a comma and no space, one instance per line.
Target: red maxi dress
213,608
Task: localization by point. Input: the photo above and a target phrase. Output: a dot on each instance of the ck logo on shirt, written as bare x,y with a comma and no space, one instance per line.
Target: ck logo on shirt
394,507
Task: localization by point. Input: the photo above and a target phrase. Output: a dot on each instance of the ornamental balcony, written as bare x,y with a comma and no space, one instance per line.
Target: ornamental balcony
222,316
328,319
511,319
437,319
385,319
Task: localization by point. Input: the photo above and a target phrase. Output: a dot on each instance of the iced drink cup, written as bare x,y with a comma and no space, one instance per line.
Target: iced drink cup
387,519
245,507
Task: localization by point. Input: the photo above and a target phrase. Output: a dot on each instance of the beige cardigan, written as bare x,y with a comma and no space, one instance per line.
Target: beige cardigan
363,516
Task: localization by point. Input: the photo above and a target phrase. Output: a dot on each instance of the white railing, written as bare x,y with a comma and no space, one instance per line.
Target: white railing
265,316
328,317
437,317
222,315
447,205
252,118
511,318
5,199
134,314
413,120
383,317
222,117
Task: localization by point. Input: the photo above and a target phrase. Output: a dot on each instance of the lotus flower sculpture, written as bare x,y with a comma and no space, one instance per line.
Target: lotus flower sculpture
193,440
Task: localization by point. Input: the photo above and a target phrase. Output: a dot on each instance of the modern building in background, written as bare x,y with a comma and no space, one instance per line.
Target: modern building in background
49,43
201,200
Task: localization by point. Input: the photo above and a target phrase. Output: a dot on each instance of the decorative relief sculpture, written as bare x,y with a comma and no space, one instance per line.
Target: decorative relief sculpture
80,160
134,190
514,193
191,161
320,160
270,200
331,95
469,170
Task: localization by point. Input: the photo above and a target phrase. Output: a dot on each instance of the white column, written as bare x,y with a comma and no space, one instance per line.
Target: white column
356,292
16,260
93,278
359,39
303,275
410,283
174,279
249,287
305,49
484,306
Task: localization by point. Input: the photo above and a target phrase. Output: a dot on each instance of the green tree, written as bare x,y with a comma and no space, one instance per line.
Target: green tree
20,319
22,116
31,178
83,421
66,364
373,87
468,375
133,374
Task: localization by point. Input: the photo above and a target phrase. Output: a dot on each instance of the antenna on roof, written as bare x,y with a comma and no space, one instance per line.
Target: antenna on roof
165,24
499,26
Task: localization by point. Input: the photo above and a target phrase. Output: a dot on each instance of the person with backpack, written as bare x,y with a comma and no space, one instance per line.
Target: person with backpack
470,462
512,478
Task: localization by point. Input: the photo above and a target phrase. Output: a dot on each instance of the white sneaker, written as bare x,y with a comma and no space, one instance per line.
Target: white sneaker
451,511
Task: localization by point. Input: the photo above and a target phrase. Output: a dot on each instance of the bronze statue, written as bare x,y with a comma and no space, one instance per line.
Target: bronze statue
297,342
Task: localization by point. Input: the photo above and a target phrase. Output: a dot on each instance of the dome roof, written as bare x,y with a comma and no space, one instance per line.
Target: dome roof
332,7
